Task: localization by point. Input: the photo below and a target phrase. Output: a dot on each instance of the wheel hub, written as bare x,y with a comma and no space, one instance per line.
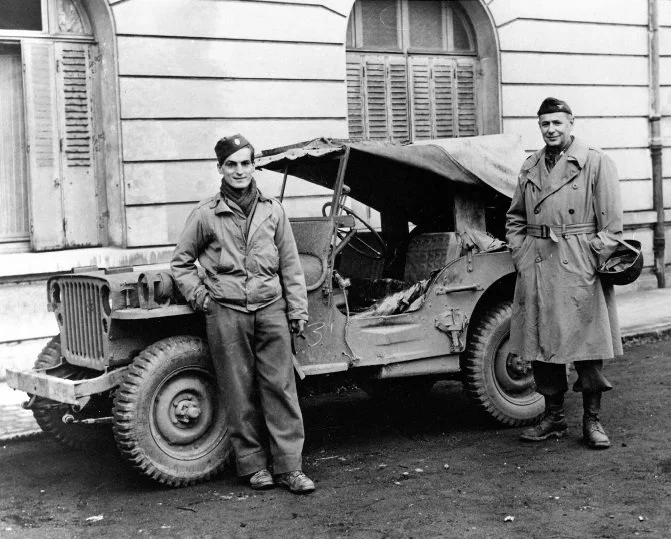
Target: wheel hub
187,410
517,367
184,408
512,373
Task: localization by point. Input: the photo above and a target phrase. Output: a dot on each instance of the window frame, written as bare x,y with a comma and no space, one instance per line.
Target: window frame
449,12
50,27
51,35
439,96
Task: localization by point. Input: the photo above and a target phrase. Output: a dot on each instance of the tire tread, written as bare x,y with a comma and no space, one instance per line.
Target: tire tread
125,410
474,382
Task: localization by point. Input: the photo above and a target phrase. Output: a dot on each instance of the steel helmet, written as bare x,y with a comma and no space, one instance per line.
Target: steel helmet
624,265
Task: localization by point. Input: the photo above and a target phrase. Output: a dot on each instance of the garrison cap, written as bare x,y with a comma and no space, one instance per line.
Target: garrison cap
552,104
229,145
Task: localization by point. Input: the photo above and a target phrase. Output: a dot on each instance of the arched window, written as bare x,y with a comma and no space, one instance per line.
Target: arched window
49,196
411,70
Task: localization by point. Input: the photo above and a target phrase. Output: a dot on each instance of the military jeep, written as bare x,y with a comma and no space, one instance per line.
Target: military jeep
408,280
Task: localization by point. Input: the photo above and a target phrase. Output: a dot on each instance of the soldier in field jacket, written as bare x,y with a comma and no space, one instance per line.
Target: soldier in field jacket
252,295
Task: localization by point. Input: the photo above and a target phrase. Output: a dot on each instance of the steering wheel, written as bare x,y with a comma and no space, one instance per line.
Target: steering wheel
374,252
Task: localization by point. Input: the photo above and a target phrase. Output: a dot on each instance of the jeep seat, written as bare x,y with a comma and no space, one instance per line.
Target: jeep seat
313,239
428,252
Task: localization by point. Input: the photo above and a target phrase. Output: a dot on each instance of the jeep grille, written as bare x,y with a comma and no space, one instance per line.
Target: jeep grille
83,321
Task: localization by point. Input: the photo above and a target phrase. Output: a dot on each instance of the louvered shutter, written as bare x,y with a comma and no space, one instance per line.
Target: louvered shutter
420,84
355,96
443,98
433,103
466,102
397,88
80,205
46,214
377,98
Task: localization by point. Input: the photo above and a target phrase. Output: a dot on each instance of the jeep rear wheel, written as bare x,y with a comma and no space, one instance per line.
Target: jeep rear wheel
49,414
168,421
500,385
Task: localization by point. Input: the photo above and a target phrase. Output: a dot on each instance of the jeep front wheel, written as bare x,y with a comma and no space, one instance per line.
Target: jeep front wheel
500,385
49,414
168,419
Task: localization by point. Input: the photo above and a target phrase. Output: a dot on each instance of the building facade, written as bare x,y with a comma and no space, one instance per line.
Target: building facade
109,109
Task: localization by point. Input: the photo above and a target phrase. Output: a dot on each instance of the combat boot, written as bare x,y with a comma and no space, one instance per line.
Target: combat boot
553,423
593,432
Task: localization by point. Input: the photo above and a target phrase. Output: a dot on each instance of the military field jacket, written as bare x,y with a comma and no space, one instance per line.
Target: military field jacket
243,271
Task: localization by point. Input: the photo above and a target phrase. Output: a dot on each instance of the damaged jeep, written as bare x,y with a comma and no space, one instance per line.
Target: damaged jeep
409,282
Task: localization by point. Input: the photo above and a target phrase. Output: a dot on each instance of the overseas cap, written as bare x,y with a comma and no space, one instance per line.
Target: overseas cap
229,145
552,104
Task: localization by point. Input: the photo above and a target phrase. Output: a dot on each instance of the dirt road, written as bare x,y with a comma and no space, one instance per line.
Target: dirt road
432,468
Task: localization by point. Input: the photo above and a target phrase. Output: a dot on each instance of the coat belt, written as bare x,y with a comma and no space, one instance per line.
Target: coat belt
552,231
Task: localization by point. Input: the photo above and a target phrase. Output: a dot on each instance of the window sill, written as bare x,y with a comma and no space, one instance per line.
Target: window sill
28,266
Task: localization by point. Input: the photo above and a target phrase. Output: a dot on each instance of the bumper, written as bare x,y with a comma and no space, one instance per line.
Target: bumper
76,392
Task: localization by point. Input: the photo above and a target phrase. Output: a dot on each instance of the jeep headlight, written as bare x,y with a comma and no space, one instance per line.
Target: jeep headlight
106,299
54,294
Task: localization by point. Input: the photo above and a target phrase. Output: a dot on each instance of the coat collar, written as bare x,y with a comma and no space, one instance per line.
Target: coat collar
219,205
565,170
578,152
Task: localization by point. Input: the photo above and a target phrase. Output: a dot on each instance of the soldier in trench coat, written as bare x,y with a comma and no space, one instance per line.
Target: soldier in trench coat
563,222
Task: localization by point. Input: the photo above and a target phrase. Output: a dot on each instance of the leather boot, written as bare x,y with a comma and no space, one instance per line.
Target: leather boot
592,431
553,423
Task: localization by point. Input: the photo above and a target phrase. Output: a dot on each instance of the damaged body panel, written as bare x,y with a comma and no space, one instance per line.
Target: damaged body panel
438,326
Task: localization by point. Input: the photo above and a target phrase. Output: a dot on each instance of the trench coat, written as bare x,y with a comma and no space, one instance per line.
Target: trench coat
561,311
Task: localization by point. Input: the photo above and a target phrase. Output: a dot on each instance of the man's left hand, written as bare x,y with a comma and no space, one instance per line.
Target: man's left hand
298,327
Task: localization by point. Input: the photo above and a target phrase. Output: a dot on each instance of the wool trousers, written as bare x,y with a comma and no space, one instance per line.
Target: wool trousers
550,378
251,352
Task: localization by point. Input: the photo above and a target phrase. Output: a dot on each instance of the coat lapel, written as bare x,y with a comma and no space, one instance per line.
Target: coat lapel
564,171
530,168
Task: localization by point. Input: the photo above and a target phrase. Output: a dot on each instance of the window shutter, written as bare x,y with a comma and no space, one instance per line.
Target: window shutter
420,78
375,95
46,214
443,97
355,103
421,92
14,217
466,104
79,188
397,84
377,98
433,103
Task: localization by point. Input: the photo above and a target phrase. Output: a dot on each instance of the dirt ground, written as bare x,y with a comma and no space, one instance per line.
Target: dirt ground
431,468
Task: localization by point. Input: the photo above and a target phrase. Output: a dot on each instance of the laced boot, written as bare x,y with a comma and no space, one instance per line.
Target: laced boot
552,424
261,480
593,432
296,481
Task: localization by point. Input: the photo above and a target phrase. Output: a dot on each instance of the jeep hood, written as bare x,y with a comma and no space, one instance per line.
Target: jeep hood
416,179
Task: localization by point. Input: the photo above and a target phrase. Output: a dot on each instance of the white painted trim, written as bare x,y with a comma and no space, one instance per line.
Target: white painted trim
17,265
